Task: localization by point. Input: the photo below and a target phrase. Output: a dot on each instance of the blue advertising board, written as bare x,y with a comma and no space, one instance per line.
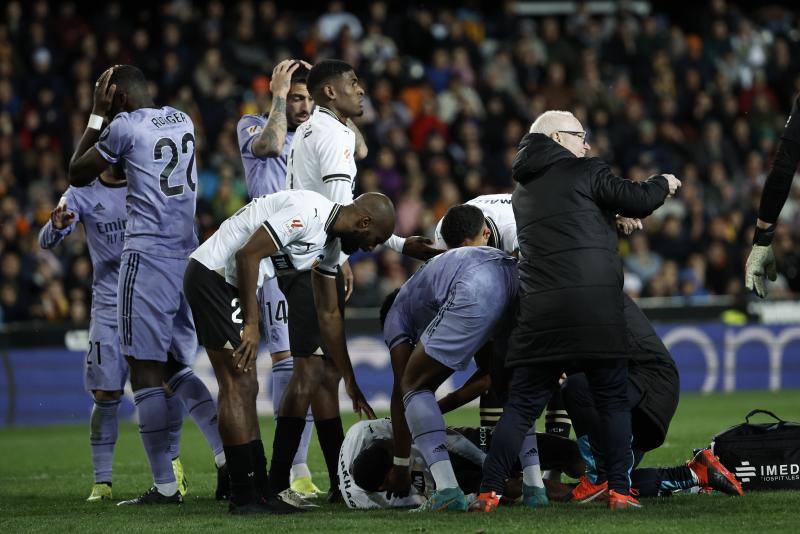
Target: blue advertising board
45,385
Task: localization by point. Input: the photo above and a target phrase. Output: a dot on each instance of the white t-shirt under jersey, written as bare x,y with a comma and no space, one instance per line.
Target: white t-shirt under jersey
298,222
499,217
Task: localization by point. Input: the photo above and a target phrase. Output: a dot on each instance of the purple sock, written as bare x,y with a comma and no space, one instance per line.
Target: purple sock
175,424
103,438
154,430
427,425
281,374
197,399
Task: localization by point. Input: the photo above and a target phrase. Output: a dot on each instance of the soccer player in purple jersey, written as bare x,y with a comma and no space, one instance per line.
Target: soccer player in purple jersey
100,207
154,319
264,142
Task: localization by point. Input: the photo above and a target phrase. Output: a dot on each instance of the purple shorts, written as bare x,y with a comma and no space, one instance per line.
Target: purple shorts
274,316
477,302
153,315
104,367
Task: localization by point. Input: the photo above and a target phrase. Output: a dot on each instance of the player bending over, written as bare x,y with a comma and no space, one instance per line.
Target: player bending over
275,235
264,143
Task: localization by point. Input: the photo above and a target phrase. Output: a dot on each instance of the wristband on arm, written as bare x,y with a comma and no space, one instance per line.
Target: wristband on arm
763,236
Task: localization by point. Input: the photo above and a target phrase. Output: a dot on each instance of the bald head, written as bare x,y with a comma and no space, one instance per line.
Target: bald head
366,223
379,208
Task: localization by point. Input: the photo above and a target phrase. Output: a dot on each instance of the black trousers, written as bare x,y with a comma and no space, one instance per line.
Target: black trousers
531,389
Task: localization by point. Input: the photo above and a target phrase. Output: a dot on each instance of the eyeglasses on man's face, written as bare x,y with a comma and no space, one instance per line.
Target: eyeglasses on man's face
582,135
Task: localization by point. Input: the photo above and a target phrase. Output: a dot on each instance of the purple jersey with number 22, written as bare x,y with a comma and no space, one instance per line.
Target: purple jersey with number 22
157,146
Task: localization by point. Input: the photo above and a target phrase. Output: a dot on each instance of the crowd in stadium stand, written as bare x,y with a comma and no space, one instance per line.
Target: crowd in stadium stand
449,93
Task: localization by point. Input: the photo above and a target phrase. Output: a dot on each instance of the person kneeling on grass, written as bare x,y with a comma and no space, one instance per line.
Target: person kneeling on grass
366,458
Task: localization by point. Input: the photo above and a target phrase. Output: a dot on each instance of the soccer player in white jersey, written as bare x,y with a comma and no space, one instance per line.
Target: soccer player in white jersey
274,235
321,159
264,142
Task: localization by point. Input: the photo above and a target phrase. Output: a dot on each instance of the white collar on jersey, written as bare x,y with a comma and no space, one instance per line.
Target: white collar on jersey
326,111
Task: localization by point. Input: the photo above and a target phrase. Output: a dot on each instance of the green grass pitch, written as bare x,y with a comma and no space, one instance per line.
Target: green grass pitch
45,475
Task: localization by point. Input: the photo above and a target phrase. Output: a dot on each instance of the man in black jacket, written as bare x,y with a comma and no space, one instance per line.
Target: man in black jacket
571,312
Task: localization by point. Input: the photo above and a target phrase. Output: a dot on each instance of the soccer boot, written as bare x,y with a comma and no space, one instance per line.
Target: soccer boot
712,474
180,476
534,497
223,490
587,492
100,491
291,497
306,487
152,496
445,500
618,501
486,503
278,506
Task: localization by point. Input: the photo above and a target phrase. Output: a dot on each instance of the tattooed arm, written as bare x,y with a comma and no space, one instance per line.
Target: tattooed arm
270,143
361,145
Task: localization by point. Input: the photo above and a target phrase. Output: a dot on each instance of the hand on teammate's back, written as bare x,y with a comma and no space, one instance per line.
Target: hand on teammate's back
245,354
672,182
360,404
420,248
282,75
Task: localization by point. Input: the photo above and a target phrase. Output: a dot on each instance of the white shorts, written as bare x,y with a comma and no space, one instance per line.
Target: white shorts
274,316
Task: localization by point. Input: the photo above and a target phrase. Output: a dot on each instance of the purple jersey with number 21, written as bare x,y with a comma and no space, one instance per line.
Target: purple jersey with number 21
157,146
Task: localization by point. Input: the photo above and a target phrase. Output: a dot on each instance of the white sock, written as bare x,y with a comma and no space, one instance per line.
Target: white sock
167,489
299,471
443,475
219,459
532,476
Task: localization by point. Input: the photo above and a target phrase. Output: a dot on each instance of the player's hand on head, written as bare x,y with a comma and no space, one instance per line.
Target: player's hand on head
282,77
420,248
760,263
103,93
61,217
244,357
397,482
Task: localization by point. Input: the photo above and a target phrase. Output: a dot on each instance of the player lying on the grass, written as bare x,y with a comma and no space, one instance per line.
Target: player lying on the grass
366,458
272,236
653,391
264,143
154,321
461,295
